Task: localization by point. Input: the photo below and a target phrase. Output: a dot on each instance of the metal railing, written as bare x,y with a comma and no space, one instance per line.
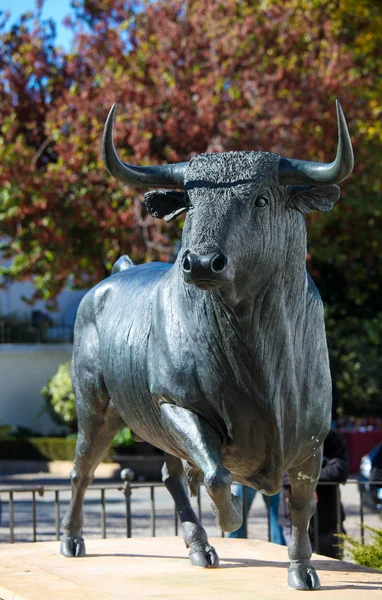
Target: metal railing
28,334
127,489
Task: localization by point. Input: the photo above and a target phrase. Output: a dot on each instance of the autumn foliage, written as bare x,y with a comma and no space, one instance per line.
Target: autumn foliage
190,76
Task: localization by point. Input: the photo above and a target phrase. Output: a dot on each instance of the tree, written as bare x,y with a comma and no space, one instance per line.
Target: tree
190,77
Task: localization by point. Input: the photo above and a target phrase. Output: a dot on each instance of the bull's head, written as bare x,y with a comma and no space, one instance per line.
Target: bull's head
243,207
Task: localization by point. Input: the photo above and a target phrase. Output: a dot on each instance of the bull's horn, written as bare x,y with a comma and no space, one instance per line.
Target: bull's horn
301,172
167,176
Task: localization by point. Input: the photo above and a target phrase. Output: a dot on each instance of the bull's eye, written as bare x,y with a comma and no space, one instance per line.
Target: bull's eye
260,202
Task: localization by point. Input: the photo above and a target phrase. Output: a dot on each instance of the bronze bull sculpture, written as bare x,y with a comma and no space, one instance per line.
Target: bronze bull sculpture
221,359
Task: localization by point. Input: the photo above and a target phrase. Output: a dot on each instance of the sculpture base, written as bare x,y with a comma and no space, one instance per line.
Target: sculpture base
141,568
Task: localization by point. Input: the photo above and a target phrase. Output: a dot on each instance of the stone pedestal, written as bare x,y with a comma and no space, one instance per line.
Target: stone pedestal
141,568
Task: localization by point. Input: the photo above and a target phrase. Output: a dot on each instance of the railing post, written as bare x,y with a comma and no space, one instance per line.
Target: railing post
11,519
175,520
245,511
361,514
34,514
269,518
127,492
199,506
316,531
127,475
338,510
152,504
103,514
57,513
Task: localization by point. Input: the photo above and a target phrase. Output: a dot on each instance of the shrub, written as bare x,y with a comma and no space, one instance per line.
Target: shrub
367,555
13,448
123,440
61,405
59,397
4,430
356,360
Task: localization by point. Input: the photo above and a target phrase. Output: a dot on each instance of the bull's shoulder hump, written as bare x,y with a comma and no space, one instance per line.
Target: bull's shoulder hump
141,275
136,278
148,269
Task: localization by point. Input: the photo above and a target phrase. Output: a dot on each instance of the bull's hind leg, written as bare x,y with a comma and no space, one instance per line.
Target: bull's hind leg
92,444
194,535
303,480
202,443
98,422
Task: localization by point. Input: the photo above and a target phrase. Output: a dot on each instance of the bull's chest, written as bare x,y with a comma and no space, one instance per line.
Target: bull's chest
198,373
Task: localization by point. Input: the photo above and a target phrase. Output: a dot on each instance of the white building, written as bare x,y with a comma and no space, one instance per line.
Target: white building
11,303
26,368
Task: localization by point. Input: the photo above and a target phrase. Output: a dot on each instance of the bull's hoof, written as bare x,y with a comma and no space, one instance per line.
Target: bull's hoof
203,556
302,576
230,519
72,546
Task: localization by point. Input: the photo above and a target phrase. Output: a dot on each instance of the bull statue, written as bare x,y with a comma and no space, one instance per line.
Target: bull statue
220,359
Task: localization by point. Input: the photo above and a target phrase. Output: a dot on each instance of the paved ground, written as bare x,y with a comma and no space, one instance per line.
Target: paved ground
142,524
154,568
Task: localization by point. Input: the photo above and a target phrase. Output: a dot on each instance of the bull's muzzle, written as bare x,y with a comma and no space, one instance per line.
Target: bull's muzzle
206,271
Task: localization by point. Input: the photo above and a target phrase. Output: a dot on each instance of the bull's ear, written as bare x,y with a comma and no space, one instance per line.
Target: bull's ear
314,198
166,204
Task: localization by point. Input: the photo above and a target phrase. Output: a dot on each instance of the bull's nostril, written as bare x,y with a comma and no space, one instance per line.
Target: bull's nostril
219,263
186,265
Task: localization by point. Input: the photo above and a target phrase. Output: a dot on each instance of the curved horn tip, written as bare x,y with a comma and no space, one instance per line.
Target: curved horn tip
169,176
300,172
340,114
112,112
345,142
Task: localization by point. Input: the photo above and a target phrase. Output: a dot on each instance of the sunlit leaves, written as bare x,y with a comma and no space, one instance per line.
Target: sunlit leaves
189,77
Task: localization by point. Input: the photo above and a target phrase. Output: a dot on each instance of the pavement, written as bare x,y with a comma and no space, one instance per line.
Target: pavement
137,569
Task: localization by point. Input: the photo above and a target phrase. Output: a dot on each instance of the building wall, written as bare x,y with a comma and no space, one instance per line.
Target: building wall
24,370
11,302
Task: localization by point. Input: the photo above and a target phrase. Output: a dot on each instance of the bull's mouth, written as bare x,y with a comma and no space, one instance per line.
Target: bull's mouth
207,284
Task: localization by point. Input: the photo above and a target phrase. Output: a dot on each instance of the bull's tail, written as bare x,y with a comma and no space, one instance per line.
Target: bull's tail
123,263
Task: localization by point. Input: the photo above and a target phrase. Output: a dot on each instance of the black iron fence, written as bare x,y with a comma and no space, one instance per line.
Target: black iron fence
11,333
8,496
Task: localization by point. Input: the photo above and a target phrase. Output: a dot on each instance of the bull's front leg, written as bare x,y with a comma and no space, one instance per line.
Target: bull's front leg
202,443
202,554
303,479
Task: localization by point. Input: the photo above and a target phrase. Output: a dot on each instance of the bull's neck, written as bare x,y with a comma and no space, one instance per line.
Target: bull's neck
275,300
281,297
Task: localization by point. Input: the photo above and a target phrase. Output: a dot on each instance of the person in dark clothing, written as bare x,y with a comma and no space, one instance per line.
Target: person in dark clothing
275,528
376,466
376,475
335,468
